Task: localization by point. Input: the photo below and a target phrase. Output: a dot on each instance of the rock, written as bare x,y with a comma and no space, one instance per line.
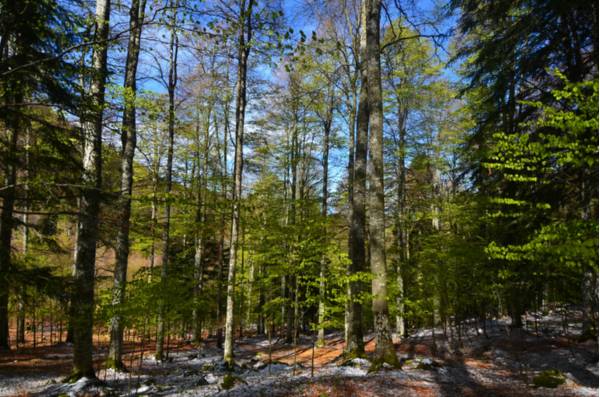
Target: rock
259,365
244,363
202,381
356,362
144,389
82,384
275,367
211,379
222,366
148,382
428,364
189,372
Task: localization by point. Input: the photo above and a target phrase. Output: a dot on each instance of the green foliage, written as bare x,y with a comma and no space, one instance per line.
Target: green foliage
550,378
564,144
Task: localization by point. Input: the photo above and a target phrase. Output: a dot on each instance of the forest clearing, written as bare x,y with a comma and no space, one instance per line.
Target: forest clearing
299,198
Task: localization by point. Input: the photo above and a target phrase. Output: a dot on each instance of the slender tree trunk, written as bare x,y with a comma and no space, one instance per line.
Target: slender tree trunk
351,137
288,280
21,294
401,235
384,350
200,215
261,326
82,301
589,281
7,222
245,37
129,138
354,343
221,250
154,209
325,195
172,84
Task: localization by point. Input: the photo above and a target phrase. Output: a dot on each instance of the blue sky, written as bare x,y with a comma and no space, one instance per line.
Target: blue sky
298,17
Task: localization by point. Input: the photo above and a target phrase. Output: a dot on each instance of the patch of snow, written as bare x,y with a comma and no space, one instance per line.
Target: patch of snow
211,379
275,368
361,362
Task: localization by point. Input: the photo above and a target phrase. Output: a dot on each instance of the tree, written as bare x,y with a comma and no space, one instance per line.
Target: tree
565,147
171,86
82,302
354,344
29,77
128,139
507,48
244,45
384,350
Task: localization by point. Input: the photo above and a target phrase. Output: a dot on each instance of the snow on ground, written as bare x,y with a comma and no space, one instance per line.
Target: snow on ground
476,365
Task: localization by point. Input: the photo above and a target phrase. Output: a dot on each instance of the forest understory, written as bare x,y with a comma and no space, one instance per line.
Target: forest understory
490,363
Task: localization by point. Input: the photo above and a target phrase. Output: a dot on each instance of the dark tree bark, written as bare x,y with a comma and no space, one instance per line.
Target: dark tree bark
129,139
355,344
6,218
82,301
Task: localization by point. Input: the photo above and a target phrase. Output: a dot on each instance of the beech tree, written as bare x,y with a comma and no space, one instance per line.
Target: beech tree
128,139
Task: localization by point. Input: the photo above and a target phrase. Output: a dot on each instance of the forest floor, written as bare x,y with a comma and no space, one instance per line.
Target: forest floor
478,365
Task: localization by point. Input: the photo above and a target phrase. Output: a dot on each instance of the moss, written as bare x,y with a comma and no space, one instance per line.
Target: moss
388,358
230,380
550,378
115,364
351,355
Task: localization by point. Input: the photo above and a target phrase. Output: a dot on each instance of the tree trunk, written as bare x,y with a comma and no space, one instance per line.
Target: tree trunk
289,279
224,190
128,137
401,235
172,84
200,215
245,37
82,301
7,222
354,343
384,350
325,195
21,293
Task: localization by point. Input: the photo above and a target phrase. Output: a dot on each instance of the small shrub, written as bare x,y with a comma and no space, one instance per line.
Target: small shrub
550,378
